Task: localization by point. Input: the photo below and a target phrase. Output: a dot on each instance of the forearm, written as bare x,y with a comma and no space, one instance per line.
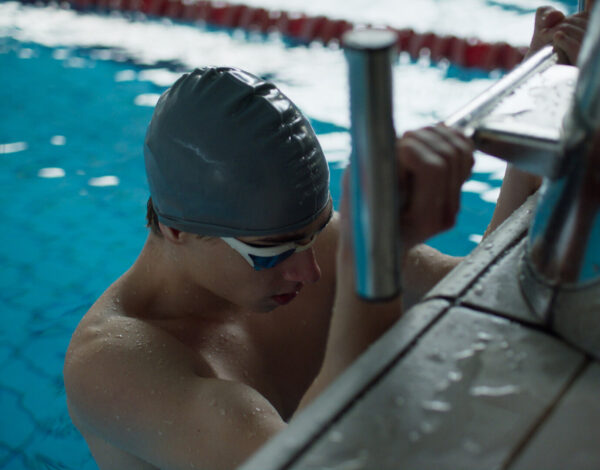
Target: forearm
516,188
355,325
436,161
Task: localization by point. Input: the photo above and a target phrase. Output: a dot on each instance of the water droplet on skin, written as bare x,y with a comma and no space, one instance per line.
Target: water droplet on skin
119,336
479,346
478,290
437,406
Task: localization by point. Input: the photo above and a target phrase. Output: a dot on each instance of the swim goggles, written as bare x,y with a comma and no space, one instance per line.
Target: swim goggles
265,257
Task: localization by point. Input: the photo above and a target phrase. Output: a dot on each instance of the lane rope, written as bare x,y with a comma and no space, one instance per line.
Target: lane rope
465,52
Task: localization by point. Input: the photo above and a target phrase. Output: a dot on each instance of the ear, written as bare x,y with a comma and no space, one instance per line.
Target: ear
171,234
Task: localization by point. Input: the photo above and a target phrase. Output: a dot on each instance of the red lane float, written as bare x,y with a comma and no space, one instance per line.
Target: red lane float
471,53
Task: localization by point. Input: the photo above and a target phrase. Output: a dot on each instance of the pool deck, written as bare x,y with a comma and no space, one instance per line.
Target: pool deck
467,379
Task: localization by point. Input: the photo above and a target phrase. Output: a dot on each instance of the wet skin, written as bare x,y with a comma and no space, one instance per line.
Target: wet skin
192,310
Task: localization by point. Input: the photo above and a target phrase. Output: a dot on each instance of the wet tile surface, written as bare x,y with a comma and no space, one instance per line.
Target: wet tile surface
491,249
464,397
314,421
570,436
499,289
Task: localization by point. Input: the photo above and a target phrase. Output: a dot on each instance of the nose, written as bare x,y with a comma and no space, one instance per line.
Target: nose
302,267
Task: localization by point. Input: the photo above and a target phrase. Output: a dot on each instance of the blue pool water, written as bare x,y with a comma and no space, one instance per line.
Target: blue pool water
75,101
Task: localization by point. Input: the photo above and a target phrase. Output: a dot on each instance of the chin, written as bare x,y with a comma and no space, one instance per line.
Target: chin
265,306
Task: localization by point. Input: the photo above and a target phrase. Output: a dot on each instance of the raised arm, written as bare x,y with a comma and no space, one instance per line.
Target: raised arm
435,161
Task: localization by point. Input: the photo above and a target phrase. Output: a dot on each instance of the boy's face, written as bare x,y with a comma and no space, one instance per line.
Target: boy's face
234,279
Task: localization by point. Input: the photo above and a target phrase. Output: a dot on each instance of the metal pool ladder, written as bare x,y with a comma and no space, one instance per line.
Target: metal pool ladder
541,118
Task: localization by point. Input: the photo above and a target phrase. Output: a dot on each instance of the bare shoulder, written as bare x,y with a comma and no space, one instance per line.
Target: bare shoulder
138,388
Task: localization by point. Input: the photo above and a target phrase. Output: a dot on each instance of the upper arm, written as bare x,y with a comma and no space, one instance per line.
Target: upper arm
517,186
422,269
145,398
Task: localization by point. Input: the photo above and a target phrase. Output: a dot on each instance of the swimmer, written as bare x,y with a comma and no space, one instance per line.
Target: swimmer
225,326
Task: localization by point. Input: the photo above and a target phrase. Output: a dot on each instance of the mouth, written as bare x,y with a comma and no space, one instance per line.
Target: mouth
283,299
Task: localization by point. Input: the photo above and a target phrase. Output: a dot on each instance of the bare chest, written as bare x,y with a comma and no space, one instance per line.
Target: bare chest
277,358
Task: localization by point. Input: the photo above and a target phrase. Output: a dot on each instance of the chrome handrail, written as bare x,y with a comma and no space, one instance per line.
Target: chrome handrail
559,247
374,200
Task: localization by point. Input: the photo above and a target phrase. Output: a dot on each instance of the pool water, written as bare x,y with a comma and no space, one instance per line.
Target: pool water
75,101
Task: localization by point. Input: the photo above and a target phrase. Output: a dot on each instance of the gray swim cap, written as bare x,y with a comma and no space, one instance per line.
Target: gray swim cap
228,154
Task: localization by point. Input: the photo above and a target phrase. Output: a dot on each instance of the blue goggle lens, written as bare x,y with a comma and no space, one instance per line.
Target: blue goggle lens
266,262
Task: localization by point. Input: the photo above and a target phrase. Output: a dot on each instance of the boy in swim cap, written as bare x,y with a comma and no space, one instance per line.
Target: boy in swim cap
222,329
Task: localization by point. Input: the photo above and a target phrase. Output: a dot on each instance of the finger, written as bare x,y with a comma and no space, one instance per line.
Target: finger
460,162
442,147
547,17
568,40
463,161
546,20
424,214
465,147
580,19
582,14
575,27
